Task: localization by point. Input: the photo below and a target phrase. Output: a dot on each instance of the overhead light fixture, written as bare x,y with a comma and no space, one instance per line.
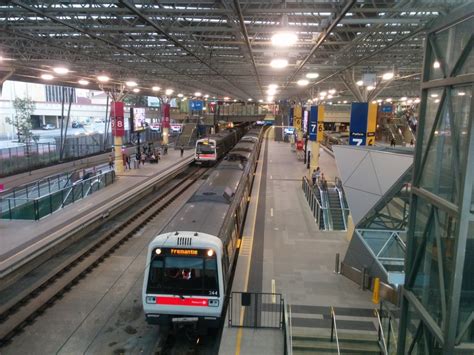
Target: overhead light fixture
249,99
388,76
389,99
47,77
61,70
197,94
461,93
235,100
379,100
323,93
302,82
374,102
417,100
180,95
273,86
312,75
437,100
226,98
434,95
404,98
332,91
360,83
168,92
330,96
284,39
436,64
370,87
156,88
206,96
184,98
131,84
409,102
344,102
279,63
103,78
83,82
260,100
136,90
271,91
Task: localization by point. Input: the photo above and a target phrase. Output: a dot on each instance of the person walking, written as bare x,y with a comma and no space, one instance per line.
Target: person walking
143,158
127,160
137,159
392,143
181,150
313,177
165,151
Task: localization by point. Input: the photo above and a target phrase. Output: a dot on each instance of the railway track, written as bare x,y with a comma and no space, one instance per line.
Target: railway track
28,302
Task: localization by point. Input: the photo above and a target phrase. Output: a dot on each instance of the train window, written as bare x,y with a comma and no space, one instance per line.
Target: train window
183,276
202,148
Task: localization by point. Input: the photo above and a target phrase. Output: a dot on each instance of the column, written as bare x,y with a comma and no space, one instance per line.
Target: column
118,131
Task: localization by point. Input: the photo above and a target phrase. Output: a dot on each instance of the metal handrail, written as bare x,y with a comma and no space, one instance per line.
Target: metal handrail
288,329
380,332
334,329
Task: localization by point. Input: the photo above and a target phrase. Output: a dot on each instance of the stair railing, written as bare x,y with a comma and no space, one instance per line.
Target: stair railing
334,330
287,329
381,335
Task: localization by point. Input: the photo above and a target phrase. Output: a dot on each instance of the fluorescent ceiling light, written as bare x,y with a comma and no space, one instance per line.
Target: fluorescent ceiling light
329,96
370,87
206,96
226,98
284,39
260,100
273,86
249,99
302,82
61,70
312,75
360,83
169,91
47,77
374,102
279,63
389,99
436,64
136,90
156,88
461,93
323,93
197,94
131,84
332,91
83,82
404,98
434,95
180,95
344,102
103,78
388,76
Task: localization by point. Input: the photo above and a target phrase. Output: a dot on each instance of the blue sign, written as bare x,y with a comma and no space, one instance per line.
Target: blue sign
387,108
358,126
292,112
196,105
313,123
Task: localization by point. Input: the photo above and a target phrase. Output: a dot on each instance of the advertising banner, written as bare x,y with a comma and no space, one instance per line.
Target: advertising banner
358,125
138,119
297,120
166,116
117,119
196,105
313,123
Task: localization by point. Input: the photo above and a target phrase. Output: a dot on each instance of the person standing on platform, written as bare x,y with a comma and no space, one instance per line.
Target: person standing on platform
127,157
111,162
314,177
137,159
165,151
393,143
181,150
143,158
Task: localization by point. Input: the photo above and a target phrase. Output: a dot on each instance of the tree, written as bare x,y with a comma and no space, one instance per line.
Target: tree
22,120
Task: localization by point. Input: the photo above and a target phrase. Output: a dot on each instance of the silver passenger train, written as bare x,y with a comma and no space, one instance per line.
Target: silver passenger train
189,263
210,149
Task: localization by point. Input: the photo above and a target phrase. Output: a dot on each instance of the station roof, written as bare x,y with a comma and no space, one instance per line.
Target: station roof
221,48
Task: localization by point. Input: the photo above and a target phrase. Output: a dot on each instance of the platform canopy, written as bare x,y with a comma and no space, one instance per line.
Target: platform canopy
367,174
221,48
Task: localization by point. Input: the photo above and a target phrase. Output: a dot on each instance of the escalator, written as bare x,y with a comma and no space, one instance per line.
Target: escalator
317,192
335,209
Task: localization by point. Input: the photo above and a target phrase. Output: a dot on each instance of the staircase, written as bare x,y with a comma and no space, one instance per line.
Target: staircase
349,343
311,330
335,210
188,136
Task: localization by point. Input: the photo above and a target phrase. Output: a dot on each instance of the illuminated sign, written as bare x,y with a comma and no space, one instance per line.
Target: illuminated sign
184,252
139,118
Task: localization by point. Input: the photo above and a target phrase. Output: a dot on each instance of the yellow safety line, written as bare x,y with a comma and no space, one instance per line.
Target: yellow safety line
242,310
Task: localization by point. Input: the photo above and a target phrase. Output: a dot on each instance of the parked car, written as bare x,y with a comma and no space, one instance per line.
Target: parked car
49,126
76,124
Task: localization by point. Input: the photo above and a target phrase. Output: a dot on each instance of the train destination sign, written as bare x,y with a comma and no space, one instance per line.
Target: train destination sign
184,252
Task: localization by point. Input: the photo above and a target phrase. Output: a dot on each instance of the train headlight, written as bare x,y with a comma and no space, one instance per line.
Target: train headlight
213,303
158,251
210,252
151,299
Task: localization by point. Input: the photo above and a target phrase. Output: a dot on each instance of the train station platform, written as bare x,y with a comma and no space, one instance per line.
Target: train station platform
284,252
22,239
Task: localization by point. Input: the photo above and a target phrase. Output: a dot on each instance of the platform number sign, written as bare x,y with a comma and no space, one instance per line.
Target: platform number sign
117,119
313,123
358,125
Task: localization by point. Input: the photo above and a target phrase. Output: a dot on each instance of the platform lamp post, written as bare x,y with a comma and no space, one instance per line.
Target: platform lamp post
116,93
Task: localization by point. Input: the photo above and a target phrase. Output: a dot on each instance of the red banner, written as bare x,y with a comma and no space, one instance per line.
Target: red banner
166,116
177,301
117,119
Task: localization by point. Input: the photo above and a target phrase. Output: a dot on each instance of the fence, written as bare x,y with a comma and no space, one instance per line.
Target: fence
256,310
35,155
34,208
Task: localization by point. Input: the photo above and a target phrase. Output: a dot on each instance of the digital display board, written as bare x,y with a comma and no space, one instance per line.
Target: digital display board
139,122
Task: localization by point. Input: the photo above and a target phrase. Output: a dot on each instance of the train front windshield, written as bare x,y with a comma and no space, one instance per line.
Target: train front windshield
205,148
183,275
